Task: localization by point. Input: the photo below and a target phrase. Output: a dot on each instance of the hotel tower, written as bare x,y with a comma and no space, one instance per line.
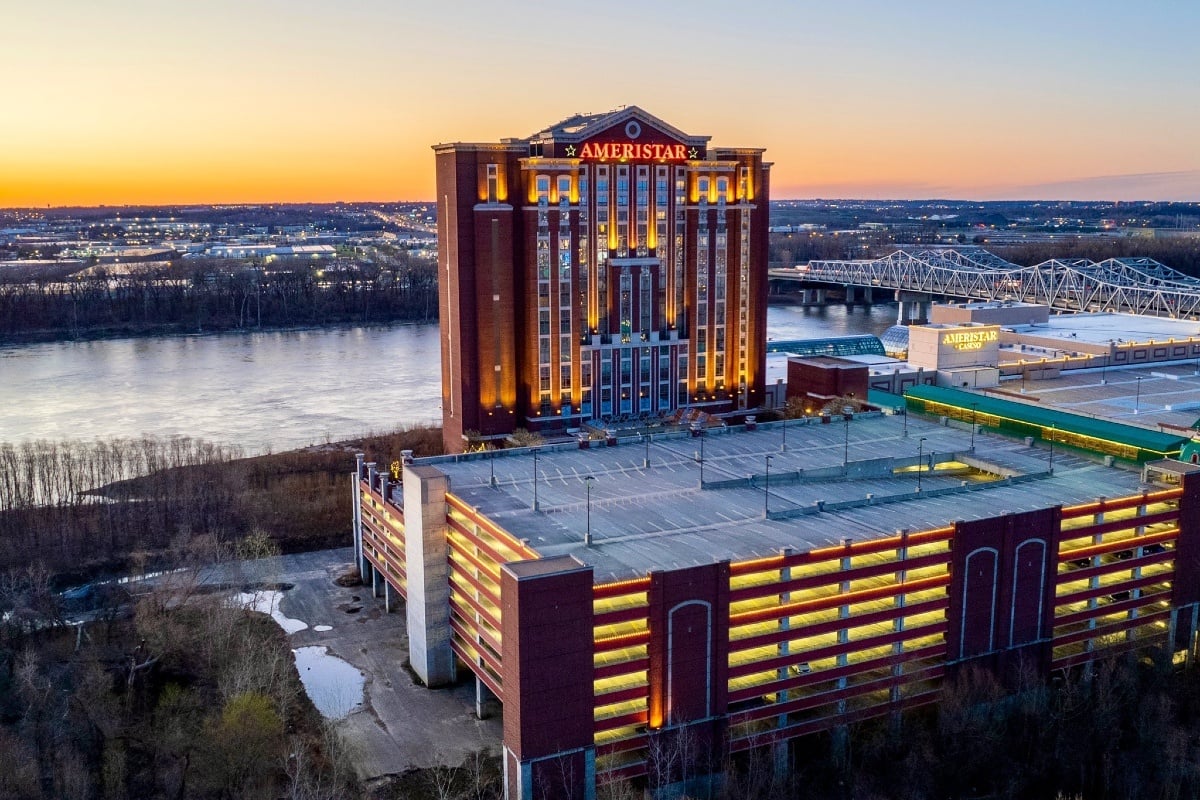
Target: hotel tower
607,267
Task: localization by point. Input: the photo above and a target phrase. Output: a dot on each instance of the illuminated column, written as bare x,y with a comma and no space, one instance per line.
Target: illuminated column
898,625
1094,582
356,505
428,574
367,566
1136,572
843,634
547,652
781,748
387,591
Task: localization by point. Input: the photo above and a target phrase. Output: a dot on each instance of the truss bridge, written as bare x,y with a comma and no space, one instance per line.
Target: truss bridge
1127,285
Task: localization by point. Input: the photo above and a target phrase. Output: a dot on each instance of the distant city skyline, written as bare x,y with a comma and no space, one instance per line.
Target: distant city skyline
132,102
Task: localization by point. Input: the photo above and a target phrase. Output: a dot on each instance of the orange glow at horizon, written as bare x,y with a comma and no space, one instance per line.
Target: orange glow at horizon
254,101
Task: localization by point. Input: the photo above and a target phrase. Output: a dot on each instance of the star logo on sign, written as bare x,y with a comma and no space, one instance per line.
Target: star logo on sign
571,150
693,153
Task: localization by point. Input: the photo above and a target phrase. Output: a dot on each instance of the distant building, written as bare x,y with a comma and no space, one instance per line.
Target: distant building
609,266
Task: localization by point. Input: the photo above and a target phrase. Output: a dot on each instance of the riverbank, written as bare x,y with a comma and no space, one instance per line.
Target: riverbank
200,498
177,329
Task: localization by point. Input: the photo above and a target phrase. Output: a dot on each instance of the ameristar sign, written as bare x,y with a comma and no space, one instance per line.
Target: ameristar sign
970,340
636,151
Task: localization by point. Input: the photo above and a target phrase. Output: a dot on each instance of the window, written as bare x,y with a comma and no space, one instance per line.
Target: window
493,182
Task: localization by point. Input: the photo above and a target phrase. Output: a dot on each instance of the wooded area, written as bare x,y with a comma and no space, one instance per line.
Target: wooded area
196,296
119,506
171,692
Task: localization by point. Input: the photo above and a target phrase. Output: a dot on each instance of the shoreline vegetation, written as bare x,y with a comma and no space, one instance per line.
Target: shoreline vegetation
208,296
219,296
85,510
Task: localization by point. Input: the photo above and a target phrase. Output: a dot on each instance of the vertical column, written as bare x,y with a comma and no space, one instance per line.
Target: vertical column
689,678
1094,582
356,506
1186,587
428,574
898,624
366,566
548,690
781,748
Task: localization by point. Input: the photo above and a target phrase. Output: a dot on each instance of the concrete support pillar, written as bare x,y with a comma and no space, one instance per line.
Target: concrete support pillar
485,701
374,582
428,570
369,476
356,513
387,596
914,307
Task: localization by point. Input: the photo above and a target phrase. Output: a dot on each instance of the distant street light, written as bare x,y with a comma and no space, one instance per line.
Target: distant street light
587,537
1137,399
767,489
535,479
783,447
974,416
920,460
846,448
646,458
1053,428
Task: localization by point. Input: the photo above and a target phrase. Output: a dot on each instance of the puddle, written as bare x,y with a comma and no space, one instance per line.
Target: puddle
334,686
267,602
322,628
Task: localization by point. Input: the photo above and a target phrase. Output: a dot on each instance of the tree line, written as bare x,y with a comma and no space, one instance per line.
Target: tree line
1182,253
80,508
209,295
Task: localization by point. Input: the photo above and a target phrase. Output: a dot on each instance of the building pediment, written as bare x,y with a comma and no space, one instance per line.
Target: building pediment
628,133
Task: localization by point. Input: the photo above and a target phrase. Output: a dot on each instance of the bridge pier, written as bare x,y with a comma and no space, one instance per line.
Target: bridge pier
914,307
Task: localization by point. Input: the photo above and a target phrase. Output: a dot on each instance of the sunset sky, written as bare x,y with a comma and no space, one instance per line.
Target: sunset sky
144,101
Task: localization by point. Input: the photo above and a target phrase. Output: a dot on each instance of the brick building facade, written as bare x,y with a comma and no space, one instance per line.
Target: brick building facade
609,266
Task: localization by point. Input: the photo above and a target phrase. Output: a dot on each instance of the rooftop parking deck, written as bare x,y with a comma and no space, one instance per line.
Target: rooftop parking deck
853,479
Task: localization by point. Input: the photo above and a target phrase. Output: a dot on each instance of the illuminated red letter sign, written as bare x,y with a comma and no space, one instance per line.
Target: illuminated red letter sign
633,151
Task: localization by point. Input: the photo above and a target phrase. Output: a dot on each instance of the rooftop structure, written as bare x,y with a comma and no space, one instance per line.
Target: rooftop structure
746,588
657,517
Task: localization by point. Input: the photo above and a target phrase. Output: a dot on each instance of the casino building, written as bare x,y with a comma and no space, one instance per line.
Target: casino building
607,267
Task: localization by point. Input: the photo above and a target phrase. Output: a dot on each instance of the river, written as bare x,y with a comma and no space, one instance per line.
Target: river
270,391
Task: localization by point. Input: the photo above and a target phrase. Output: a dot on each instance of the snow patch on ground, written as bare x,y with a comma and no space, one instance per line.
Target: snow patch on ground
334,686
322,628
267,602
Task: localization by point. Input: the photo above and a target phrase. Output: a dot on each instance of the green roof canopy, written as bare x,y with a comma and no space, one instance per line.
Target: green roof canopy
1049,418
878,397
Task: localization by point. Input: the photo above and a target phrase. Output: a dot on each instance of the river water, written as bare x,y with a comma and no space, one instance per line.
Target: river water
270,391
